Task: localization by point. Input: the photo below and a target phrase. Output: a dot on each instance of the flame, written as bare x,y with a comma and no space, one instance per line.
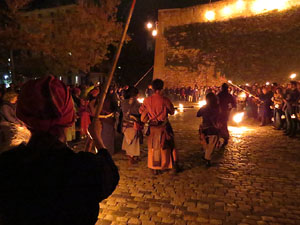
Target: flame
141,100
238,117
180,108
243,95
202,103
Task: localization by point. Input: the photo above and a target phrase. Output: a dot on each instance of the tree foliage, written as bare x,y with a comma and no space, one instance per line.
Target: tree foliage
61,40
245,49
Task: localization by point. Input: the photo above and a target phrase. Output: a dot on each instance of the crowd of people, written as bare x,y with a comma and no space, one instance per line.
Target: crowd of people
269,104
56,114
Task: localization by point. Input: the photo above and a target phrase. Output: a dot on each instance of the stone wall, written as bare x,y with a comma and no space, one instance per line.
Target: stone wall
179,63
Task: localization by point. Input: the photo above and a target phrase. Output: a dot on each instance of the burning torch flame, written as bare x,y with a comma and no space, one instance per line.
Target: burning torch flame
141,100
180,108
238,117
201,103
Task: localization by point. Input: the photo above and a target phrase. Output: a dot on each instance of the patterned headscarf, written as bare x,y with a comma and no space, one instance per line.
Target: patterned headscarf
45,105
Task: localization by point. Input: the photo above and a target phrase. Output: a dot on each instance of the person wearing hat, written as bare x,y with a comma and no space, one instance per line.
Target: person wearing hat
44,181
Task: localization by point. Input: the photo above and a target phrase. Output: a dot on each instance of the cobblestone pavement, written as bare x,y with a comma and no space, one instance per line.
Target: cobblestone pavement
254,181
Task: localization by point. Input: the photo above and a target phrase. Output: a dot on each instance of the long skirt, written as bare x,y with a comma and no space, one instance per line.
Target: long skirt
108,136
210,145
131,142
161,151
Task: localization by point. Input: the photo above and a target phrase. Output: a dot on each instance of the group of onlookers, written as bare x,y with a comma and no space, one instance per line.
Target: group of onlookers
274,104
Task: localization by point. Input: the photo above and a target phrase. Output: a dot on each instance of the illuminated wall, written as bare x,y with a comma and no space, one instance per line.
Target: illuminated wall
178,56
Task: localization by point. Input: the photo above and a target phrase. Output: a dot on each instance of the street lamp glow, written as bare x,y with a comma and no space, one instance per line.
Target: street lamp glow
210,15
262,6
226,11
247,84
149,25
268,83
154,33
293,76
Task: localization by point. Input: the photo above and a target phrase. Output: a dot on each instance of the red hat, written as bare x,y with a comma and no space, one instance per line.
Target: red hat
45,104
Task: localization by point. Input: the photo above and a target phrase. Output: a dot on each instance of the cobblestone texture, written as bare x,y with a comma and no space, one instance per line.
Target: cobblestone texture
254,181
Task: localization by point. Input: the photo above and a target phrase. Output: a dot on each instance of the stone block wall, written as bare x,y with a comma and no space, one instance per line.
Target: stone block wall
183,65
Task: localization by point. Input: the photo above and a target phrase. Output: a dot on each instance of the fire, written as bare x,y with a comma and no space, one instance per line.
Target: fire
243,95
238,117
180,107
202,103
141,100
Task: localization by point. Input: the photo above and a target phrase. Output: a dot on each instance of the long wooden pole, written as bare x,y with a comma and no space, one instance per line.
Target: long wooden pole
137,83
99,143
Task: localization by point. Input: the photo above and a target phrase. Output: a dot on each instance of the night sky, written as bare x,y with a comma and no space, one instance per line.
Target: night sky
135,59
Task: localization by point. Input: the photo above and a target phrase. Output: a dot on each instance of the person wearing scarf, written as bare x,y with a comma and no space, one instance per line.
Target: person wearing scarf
44,181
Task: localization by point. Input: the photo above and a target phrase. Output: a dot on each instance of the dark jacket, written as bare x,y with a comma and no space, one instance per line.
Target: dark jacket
210,119
46,183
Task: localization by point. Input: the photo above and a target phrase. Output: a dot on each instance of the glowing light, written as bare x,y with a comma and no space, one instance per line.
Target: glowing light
202,103
210,15
247,84
293,116
76,79
175,112
8,59
272,119
262,6
149,25
60,78
180,107
243,95
238,130
226,11
230,82
141,100
293,76
277,106
154,33
240,5
283,117
268,83
238,117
